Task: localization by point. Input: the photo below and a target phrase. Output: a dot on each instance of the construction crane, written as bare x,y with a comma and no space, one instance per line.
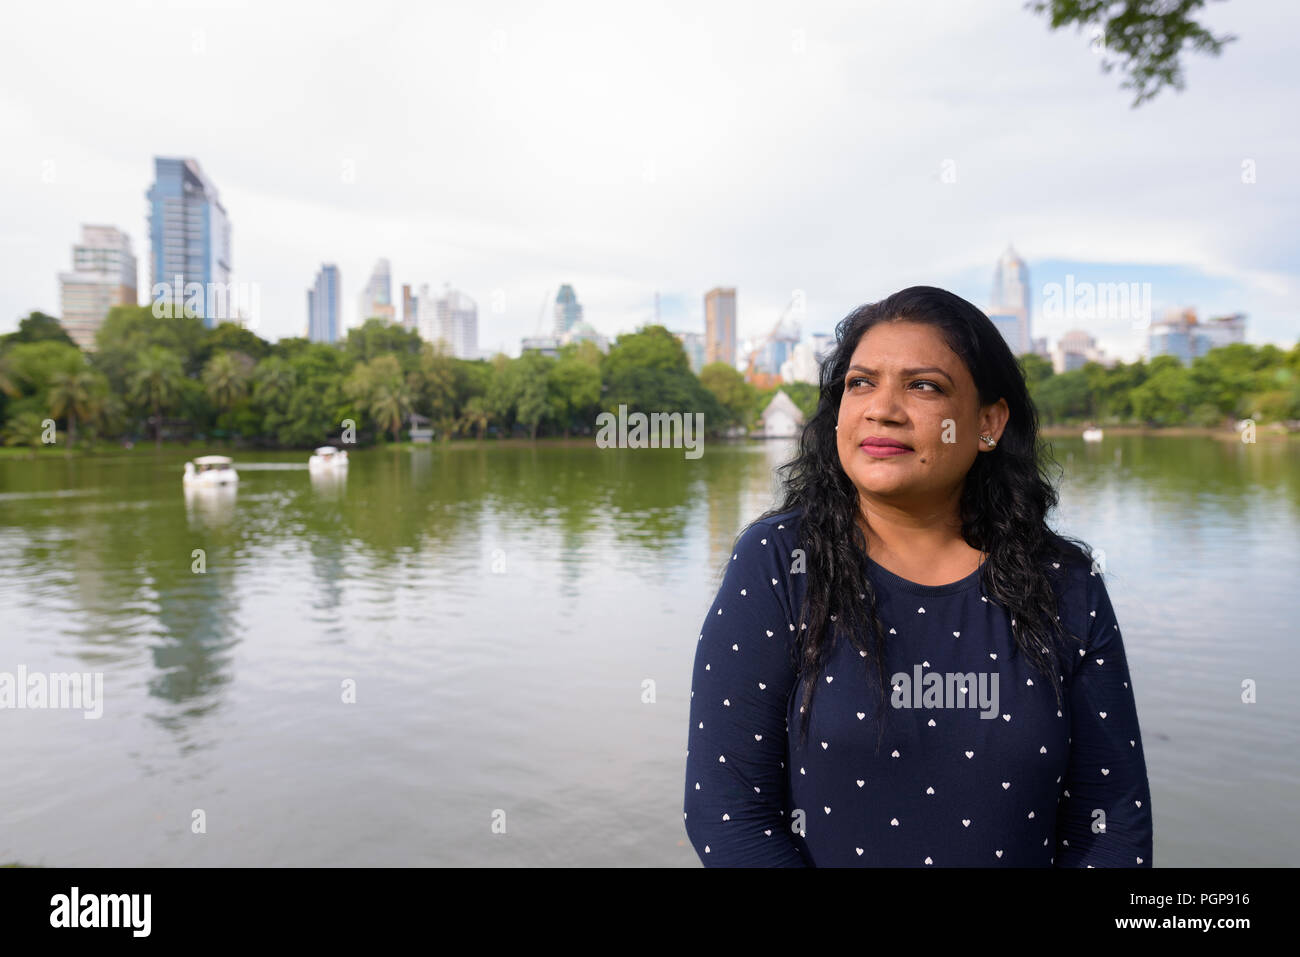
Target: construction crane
768,380
544,327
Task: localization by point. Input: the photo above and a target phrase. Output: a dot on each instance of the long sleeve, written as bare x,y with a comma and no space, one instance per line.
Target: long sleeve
1107,769
740,686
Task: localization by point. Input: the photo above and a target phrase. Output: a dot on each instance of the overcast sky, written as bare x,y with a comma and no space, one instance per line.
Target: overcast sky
627,148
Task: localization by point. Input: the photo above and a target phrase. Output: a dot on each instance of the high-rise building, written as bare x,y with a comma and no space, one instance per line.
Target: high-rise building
103,276
692,345
1010,301
408,307
720,326
802,365
451,318
1181,334
458,317
1074,349
822,344
190,238
568,311
323,319
377,296
1224,330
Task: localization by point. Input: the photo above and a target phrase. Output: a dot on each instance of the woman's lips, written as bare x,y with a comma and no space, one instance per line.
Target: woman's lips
885,451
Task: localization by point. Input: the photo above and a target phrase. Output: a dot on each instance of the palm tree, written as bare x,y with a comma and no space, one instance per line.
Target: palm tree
72,394
390,404
273,382
475,415
226,379
156,383
378,387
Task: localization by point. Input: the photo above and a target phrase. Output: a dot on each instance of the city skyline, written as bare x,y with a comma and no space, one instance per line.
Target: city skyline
103,263
517,207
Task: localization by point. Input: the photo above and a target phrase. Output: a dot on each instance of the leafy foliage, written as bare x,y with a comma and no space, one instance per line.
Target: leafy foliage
173,377
1143,37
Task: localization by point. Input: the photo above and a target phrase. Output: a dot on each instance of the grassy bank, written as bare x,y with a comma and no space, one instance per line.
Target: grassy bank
1270,432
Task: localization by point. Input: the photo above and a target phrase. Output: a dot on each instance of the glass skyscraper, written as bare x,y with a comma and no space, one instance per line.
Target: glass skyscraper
376,300
568,311
323,306
189,234
1010,301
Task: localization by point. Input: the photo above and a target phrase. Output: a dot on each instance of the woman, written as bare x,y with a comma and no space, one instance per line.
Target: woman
904,665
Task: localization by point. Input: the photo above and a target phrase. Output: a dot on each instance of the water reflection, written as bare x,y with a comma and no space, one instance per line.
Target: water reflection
209,506
607,561
329,484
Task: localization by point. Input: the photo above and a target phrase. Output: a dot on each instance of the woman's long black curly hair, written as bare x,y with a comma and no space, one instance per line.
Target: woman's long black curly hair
1004,503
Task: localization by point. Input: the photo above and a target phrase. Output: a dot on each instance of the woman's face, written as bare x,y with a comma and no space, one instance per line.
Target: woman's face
905,384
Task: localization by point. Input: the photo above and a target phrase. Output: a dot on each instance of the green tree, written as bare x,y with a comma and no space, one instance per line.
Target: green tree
379,387
317,405
108,411
156,383
1144,37
648,371
433,386
1168,394
532,393
232,337
573,390
273,382
227,379
1064,397
475,416
73,395
9,379
128,332
502,393
737,397
23,429
33,365
375,338
1115,400
1036,368
37,327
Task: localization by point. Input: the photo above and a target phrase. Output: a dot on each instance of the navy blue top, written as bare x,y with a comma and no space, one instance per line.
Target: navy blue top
997,776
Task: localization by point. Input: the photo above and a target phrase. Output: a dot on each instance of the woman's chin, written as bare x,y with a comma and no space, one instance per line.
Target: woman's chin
883,487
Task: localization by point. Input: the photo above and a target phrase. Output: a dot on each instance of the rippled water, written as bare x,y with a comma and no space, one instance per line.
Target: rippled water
499,609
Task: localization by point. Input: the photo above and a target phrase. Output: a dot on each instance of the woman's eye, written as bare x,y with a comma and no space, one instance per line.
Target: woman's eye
853,383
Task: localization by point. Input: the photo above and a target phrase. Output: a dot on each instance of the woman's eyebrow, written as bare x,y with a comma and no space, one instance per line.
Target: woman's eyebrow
905,372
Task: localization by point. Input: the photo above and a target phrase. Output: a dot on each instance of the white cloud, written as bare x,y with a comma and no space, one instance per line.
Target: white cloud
769,146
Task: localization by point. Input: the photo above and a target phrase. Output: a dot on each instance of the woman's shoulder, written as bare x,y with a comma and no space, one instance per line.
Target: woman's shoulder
769,538
1079,582
1069,562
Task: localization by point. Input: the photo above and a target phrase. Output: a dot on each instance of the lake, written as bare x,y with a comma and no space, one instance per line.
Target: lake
440,659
